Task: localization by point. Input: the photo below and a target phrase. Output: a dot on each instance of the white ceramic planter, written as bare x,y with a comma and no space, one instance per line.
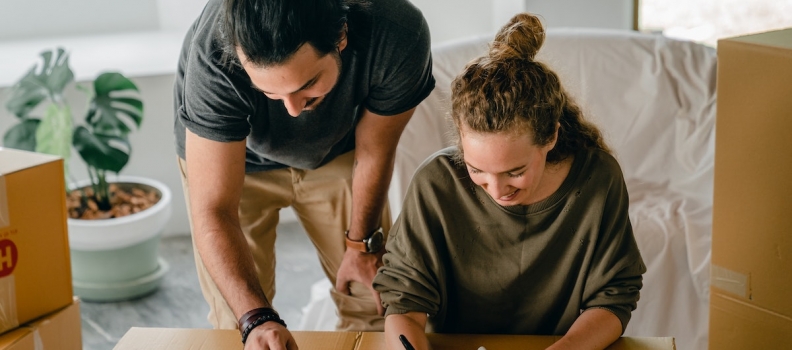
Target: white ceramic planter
117,259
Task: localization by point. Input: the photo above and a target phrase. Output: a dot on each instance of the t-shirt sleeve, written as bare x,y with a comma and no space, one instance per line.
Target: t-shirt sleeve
408,281
216,101
406,69
615,278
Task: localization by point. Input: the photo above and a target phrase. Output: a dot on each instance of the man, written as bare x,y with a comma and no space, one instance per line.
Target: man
283,103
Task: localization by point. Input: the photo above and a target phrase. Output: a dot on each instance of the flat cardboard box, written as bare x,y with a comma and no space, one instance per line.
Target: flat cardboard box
35,270
751,276
57,331
206,339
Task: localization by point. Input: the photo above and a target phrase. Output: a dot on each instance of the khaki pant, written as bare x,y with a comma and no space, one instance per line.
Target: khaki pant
322,200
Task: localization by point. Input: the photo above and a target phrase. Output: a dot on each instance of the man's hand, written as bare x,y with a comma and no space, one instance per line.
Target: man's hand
360,267
270,336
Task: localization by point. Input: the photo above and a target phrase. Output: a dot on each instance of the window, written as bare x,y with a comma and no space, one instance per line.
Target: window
706,21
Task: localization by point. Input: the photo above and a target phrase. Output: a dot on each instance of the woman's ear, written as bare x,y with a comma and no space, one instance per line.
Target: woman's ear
552,143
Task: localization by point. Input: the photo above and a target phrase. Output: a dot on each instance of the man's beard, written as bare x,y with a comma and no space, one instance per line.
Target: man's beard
313,104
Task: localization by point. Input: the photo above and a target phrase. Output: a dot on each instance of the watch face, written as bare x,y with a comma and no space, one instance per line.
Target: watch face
374,243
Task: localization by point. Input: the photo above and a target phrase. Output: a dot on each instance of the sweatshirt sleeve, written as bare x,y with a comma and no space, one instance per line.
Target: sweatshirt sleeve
409,279
615,278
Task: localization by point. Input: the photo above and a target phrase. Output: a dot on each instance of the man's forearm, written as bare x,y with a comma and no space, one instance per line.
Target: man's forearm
228,260
376,139
370,180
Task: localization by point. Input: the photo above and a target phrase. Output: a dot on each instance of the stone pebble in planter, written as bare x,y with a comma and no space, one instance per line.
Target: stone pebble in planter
123,201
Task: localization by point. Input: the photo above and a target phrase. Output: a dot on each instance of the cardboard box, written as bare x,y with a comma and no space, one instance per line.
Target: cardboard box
751,276
35,271
206,339
57,331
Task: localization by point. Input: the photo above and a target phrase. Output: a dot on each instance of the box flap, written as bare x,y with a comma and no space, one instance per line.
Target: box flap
326,340
167,338
60,329
779,38
376,341
740,325
16,338
210,339
12,160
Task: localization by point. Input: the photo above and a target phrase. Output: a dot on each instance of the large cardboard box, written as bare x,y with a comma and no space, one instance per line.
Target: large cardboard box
59,330
209,339
35,271
751,285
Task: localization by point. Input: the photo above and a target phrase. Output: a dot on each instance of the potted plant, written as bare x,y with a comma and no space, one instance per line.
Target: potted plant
114,223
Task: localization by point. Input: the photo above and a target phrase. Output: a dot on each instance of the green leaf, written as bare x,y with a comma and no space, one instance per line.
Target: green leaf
112,81
40,83
102,152
54,133
112,115
22,136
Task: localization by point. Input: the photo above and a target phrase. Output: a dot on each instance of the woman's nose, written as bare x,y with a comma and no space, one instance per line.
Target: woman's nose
496,188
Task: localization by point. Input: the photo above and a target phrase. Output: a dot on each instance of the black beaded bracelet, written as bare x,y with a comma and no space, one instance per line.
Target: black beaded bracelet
270,316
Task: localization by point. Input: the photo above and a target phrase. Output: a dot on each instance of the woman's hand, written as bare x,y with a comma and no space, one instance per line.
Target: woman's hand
594,329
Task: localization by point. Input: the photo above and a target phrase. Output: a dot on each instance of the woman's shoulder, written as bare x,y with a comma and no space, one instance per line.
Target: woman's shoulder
599,164
441,169
603,165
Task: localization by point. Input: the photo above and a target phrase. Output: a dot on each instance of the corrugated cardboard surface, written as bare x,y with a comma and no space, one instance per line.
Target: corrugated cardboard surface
205,339
57,331
35,270
751,301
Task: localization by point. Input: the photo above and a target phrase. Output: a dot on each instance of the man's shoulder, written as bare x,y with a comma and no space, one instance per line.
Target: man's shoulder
401,15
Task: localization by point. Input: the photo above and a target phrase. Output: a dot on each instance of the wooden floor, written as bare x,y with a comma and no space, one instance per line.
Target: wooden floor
179,304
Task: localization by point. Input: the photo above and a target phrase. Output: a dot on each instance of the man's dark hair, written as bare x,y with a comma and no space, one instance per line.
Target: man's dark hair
269,32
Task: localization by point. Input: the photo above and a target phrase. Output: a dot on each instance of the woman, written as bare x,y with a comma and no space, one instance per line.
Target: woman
522,228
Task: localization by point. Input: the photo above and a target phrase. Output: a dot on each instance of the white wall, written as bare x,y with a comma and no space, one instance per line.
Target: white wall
612,14
26,19
453,19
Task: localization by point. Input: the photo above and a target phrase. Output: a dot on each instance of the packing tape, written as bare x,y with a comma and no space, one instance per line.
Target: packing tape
5,220
729,281
8,311
38,344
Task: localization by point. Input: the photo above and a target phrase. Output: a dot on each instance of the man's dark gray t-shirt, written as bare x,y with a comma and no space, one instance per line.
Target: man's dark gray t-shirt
386,69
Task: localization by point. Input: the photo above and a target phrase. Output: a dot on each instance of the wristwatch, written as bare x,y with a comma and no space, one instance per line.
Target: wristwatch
371,244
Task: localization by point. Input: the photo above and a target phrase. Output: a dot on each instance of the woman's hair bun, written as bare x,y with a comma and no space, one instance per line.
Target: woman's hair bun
521,38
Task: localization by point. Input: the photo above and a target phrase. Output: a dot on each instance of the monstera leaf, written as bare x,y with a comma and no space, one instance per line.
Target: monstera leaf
112,115
114,110
103,152
23,135
41,83
54,133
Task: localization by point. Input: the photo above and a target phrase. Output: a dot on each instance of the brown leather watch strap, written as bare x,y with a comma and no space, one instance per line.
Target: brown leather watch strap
356,245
